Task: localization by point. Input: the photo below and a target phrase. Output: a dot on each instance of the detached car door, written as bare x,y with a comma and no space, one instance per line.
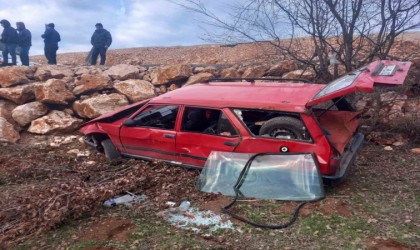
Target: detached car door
203,131
151,133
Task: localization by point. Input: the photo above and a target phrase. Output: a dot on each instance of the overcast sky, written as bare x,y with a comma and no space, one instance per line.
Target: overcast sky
132,23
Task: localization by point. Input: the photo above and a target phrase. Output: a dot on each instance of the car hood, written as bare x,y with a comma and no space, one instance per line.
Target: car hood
383,72
116,112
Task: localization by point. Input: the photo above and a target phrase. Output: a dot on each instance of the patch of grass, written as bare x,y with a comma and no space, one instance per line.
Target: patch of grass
417,197
351,231
408,234
256,217
162,235
365,204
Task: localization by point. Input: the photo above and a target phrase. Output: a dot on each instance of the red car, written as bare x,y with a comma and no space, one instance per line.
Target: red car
185,125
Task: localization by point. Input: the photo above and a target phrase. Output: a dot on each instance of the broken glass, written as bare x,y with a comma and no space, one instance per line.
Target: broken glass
275,176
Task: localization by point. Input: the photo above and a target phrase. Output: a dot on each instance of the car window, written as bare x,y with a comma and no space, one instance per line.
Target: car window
276,124
207,121
163,117
338,84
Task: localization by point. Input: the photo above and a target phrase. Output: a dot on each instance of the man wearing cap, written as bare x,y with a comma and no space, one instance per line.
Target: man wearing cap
9,37
51,39
100,40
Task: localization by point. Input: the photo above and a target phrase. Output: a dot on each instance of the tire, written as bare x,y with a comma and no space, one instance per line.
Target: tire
283,127
111,152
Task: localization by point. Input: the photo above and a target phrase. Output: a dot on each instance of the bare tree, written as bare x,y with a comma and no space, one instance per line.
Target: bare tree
357,31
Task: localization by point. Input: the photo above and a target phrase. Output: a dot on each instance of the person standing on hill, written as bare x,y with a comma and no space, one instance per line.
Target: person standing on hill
24,42
51,39
10,39
101,40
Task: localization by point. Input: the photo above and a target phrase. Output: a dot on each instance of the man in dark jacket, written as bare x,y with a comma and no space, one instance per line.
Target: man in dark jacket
10,38
24,42
101,40
51,39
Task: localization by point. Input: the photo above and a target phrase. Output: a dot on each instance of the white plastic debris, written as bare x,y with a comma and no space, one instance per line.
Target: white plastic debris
184,206
126,200
170,203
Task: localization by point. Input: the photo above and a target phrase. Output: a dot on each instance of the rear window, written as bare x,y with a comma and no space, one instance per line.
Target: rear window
338,84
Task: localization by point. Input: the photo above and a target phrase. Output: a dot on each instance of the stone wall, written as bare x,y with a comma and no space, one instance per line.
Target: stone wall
51,99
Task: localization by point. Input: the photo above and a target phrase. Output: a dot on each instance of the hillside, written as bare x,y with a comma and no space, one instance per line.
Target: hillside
246,53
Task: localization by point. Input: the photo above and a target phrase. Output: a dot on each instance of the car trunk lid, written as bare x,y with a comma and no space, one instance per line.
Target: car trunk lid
383,72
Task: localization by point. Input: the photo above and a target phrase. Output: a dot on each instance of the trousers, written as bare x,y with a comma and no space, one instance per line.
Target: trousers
51,54
101,52
9,49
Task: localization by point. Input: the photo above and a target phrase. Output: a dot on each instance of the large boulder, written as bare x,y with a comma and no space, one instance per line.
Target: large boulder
28,112
200,77
99,105
90,83
123,72
60,73
300,74
46,72
136,90
254,71
90,70
392,107
170,73
209,69
6,108
18,94
282,67
412,109
42,74
53,91
7,131
55,122
10,76
230,73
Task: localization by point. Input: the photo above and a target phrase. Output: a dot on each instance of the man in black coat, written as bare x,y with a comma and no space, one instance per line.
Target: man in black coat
24,42
51,39
101,40
10,39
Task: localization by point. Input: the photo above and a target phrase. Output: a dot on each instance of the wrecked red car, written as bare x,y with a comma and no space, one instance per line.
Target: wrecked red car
250,116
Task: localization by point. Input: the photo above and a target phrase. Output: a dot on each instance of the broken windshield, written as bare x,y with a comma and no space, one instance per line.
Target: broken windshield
270,176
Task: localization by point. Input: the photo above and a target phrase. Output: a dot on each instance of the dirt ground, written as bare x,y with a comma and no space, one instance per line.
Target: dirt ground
53,189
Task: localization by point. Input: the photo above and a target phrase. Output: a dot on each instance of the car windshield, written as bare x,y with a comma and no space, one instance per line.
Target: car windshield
270,176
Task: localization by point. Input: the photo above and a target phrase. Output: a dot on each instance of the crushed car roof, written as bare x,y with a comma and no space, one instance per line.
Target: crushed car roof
290,97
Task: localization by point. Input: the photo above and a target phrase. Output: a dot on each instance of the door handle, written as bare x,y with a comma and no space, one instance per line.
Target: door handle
229,143
170,136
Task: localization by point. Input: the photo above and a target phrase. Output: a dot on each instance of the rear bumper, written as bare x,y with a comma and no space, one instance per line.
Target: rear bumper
349,157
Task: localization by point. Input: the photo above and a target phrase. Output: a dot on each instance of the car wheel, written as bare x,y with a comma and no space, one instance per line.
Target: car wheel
283,127
111,152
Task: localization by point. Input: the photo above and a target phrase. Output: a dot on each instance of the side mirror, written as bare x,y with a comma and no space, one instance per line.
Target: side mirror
129,123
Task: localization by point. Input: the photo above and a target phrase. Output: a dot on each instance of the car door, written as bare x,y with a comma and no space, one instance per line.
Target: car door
151,133
203,131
